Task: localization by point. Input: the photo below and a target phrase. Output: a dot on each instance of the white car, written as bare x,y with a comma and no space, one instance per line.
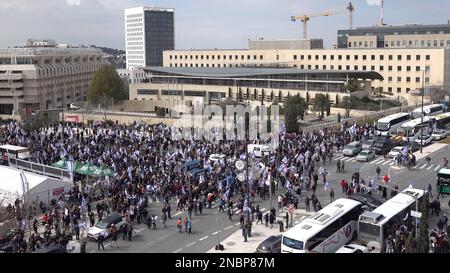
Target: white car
395,151
105,224
217,158
439,134
365,155
352,248
426,139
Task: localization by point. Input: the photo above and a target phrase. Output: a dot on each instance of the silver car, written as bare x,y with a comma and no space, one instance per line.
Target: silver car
439,134
352,149
365,155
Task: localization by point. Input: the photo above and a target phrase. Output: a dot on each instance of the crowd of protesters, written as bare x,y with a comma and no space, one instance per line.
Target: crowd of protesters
148,161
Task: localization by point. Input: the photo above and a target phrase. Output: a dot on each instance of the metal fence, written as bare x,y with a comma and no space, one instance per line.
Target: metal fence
370,116
39,168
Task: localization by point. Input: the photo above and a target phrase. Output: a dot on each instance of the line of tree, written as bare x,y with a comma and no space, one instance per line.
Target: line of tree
322,104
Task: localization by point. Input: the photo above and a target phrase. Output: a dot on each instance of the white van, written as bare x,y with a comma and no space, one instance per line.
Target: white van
259,150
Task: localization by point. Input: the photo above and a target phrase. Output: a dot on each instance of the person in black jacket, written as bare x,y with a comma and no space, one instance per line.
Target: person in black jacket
271,219
266,218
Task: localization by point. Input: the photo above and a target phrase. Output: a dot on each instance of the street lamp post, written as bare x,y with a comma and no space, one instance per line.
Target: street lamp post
421,116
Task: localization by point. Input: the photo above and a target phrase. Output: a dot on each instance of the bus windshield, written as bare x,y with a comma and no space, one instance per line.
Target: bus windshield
292,243
383,126
444,179
371,231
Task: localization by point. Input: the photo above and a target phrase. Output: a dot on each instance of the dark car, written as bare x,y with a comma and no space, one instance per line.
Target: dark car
366,199
412,146
382,146
57,248
270,245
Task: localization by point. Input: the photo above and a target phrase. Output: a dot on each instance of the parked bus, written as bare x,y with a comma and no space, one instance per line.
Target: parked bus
410,130
325,231
428,110
442,121
377,225
443,181
14,151
389,125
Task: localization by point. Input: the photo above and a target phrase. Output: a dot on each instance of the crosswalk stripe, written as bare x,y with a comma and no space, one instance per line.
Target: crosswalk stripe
263,209
214,233
228,227
423,166
437,168
429,168
193,243
391,164
237,224
178,250
201,239
388,161
378,160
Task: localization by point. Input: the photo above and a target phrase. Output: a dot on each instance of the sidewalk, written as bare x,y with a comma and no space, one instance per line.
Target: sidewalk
428,150
235,242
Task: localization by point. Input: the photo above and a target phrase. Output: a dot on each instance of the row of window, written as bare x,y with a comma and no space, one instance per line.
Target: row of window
135,34
422,43
137,15
134,29
135,25
360,44
408,79
213,57
140,38
135,43
301,57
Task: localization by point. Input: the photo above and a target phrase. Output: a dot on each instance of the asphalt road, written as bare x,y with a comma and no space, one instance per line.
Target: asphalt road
204,227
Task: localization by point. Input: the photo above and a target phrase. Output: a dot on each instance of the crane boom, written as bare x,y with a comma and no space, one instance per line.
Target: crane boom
305,18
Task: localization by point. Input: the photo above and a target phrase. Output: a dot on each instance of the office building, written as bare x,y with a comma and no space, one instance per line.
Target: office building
148,32
35,77
401,69
262,44
194,85
407,36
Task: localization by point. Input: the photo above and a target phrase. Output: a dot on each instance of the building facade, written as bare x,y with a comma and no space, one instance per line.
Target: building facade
36,78
148,32
191,86
262,44
408,36
403,70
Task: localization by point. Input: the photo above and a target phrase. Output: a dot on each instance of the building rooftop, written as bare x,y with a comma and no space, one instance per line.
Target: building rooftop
33,51
257,71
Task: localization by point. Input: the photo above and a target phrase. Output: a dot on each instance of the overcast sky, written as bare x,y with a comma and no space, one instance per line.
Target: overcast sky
202,23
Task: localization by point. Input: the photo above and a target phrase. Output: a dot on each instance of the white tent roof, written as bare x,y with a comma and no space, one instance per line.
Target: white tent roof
11,182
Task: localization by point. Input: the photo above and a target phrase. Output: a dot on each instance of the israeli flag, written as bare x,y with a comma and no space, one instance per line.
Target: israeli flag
69,167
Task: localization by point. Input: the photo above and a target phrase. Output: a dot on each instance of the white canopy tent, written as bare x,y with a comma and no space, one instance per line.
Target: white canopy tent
41,188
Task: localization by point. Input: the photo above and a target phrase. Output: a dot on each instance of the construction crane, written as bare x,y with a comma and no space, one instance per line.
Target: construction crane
305,18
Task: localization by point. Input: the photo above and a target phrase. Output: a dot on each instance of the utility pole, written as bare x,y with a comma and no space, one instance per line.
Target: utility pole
421,116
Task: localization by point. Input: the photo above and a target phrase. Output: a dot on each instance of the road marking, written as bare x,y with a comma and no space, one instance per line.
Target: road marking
235,209
214,233
139,230
201,239
391,164
178,250
228,227
237,224
191,244
437,168
263,209
429,168
296,222
178,213
415,167
388,161
423,166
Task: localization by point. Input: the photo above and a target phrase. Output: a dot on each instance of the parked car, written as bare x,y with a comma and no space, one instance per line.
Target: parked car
424,139
352,149
270,245
365,155
105,224
57,248
382,147
368,144
439,134
395,151
352,248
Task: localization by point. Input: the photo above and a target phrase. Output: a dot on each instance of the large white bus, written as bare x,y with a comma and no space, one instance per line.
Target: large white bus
428,110
377,225
390,124
410,130
325,231
442,121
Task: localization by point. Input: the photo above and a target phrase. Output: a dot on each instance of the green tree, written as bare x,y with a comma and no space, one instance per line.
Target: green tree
336,101
351,86
423,241
346,103
294,108
322,104
105,86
